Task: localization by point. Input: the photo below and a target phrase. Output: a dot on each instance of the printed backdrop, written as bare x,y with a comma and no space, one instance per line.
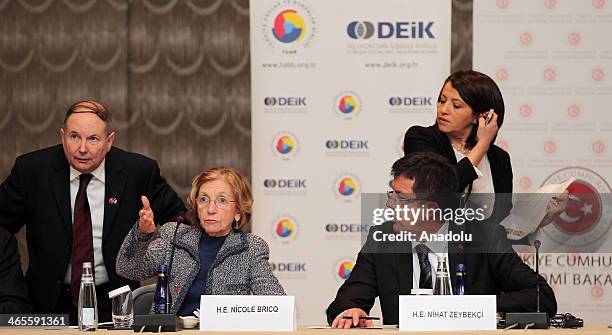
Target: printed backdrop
335,85
553,62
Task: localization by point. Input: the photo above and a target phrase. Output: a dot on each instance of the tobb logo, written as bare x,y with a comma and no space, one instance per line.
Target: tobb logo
285,145
343,269
285,229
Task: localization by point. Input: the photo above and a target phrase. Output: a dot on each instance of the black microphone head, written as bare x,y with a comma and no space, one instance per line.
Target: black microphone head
537,244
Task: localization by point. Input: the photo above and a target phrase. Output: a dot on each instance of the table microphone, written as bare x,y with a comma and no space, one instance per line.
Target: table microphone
536,320
537,244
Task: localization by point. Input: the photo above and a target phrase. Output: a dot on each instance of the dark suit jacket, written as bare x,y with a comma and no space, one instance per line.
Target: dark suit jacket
430,139
13,291
492,267
37,194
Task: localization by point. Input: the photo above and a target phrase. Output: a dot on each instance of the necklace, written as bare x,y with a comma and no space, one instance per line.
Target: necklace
462,149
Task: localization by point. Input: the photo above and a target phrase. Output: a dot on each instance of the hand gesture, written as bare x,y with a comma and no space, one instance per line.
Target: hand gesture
554,208
487,132
354,313
146,225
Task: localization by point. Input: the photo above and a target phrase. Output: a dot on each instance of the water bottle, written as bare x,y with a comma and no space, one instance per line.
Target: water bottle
161,291
460,280
88,308
442,285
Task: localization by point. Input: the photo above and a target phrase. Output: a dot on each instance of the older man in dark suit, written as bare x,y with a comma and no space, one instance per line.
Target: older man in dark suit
78,201
387,269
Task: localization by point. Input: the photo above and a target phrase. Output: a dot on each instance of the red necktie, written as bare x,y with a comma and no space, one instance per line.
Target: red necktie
82,237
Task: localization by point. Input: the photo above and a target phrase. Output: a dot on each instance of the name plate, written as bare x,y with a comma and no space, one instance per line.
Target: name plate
247,313
447,312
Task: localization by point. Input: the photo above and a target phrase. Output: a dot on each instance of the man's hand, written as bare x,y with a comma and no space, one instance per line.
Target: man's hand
146,225
355,313
554,208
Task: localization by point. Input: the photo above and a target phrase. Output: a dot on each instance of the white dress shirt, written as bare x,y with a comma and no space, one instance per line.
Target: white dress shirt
482,185
442,251
95,197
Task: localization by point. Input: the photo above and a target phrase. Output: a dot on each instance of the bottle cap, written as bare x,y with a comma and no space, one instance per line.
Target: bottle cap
163,268
460,267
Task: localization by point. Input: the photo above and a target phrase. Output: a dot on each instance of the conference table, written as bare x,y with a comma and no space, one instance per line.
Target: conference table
591,329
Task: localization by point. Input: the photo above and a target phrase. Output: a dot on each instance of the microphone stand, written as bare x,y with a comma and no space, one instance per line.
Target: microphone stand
534,320
165,322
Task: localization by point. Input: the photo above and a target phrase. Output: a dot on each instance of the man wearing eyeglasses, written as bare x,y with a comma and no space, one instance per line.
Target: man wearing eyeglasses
78,201
395,259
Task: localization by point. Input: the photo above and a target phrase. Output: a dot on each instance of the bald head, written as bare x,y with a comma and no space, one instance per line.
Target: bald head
93,107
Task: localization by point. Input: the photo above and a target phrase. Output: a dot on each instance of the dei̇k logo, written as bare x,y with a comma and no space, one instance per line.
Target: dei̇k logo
587,218
343,268
285,104
289,26
347,187
347,147
285,186
285,146
285,229
347,105
382,30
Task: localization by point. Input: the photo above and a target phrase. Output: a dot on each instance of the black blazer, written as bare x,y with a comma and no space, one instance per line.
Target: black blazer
492,267
430,139
13,291
37,194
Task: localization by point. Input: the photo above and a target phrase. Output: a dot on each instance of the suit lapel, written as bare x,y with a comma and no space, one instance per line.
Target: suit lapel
113,191
404,272
494,164
60,184
444,143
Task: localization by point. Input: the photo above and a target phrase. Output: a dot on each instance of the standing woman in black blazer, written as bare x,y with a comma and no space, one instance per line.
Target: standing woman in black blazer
463,136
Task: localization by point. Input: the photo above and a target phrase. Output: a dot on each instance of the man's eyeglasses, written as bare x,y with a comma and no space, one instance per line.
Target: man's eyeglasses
401,198
220,202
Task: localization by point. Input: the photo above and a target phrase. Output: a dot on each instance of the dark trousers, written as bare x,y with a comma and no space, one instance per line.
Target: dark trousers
65,305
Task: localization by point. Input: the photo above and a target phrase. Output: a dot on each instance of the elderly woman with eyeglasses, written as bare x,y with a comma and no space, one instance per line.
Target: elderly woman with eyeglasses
212,255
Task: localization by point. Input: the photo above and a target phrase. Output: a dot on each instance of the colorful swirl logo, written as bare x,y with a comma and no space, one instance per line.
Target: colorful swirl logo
347,104
284,145
284,228
347,186
344,270
289,26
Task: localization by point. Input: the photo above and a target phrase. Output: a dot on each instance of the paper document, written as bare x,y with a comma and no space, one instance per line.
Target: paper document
528,209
